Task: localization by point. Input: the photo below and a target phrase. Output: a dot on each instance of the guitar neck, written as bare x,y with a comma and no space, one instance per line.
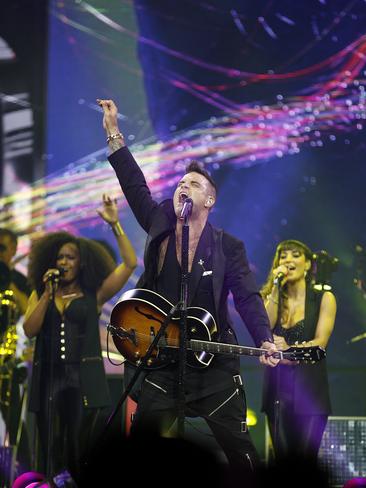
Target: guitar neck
232,349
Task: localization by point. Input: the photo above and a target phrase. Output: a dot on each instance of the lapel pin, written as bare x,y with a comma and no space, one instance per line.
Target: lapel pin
205,273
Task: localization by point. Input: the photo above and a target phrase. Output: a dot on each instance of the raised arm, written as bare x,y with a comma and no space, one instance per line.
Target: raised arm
129,174
119,276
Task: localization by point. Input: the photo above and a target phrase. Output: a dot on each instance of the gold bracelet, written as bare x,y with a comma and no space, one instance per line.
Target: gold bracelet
112,137
117,229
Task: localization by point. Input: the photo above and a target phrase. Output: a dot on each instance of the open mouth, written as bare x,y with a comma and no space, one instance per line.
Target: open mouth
182,197
291,267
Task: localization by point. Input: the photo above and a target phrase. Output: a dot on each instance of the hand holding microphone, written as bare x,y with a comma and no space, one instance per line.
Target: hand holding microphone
53,274
52,277
279,275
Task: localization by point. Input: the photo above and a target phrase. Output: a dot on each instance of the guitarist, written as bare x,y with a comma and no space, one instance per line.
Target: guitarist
217,264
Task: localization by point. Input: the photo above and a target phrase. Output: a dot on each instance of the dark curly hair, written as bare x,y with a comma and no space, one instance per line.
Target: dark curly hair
95,262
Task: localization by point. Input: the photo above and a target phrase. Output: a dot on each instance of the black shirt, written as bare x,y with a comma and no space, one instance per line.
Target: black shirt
198,382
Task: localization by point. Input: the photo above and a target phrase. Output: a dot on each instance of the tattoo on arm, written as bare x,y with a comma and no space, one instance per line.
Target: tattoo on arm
116,144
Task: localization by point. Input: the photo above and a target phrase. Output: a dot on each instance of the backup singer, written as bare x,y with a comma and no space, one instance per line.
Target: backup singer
296,396
68,381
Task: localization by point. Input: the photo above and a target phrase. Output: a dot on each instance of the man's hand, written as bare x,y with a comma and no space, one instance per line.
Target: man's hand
269,360
110,120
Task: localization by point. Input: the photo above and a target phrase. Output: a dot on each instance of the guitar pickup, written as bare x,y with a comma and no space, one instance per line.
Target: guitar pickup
122,333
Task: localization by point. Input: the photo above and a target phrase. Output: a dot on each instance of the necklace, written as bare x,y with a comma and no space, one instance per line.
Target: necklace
70,295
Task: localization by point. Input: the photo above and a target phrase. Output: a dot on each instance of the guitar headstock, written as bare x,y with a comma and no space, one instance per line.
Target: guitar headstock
305,354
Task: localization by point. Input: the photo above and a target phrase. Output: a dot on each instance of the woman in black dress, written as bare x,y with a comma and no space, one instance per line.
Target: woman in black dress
296,395
72,278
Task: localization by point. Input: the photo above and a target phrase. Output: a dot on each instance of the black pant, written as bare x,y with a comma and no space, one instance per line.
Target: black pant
224,411
63,420
295,435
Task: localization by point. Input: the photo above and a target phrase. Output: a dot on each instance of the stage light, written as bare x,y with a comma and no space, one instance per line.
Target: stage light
251,418
33,479
30,479
356,483
322,286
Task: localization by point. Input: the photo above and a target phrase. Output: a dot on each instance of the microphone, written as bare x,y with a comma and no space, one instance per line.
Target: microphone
186,209
54,276
279,278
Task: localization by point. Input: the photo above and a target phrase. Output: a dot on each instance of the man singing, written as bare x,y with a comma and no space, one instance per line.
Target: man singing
217,265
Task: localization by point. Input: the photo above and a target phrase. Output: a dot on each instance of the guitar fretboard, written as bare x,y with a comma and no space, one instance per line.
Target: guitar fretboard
233,349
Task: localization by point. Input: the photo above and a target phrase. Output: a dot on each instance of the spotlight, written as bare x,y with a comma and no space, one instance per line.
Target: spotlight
251,417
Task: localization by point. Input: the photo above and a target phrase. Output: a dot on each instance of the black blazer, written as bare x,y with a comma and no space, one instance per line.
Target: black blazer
230,268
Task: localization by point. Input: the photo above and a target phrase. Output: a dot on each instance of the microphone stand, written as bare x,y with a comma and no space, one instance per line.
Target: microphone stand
182,307
141,364
277,404
102,440
183,323
50,389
